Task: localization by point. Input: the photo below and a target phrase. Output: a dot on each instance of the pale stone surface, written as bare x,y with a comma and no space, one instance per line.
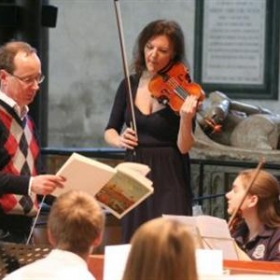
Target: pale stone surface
207,148
258,132
85,66
246,131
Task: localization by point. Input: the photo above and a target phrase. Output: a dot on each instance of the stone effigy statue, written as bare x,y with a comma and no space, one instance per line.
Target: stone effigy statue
236,130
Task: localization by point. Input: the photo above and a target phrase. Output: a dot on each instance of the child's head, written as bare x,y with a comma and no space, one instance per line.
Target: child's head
76,222
162,249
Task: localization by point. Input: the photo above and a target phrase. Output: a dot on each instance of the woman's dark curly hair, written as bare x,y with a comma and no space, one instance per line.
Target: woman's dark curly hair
156,28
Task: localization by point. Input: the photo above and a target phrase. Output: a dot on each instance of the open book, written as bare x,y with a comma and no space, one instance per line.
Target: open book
210,233
118,189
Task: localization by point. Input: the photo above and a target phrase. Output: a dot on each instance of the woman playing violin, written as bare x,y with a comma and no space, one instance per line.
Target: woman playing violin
258,231
163,138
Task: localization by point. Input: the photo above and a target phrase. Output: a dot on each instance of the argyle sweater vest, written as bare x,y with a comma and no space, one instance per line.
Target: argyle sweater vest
19,155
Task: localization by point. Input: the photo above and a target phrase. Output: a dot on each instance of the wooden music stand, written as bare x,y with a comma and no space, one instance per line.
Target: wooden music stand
14,256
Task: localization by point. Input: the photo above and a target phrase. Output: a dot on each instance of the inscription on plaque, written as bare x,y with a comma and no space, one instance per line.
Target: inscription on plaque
234,41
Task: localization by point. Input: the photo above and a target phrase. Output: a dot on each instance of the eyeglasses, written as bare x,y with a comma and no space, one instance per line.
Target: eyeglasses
30,80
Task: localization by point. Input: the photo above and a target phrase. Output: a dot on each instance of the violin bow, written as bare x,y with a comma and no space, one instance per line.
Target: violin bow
125,64
257,171
35,221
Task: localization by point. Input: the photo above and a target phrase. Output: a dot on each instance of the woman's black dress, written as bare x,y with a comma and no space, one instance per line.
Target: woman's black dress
170,170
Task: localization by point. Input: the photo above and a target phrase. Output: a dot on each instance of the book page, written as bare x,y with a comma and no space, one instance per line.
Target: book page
209,262
212,231
124,192
115,261
215,234
84,174
210,226
143,169
226,245
192,228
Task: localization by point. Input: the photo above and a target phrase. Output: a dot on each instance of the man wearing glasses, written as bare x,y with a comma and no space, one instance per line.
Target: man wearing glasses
20,182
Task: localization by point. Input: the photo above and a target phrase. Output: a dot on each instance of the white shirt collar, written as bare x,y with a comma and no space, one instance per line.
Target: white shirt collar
12,103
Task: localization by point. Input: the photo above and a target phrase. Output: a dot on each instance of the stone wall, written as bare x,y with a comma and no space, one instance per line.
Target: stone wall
85,65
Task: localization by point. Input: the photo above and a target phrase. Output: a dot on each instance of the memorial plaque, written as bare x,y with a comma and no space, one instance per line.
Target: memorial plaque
237,47
234,41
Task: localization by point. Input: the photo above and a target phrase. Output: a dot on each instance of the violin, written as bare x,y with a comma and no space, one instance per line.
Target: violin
173,86
237,220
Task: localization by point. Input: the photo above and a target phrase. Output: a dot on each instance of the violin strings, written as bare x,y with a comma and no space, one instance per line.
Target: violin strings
179,90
